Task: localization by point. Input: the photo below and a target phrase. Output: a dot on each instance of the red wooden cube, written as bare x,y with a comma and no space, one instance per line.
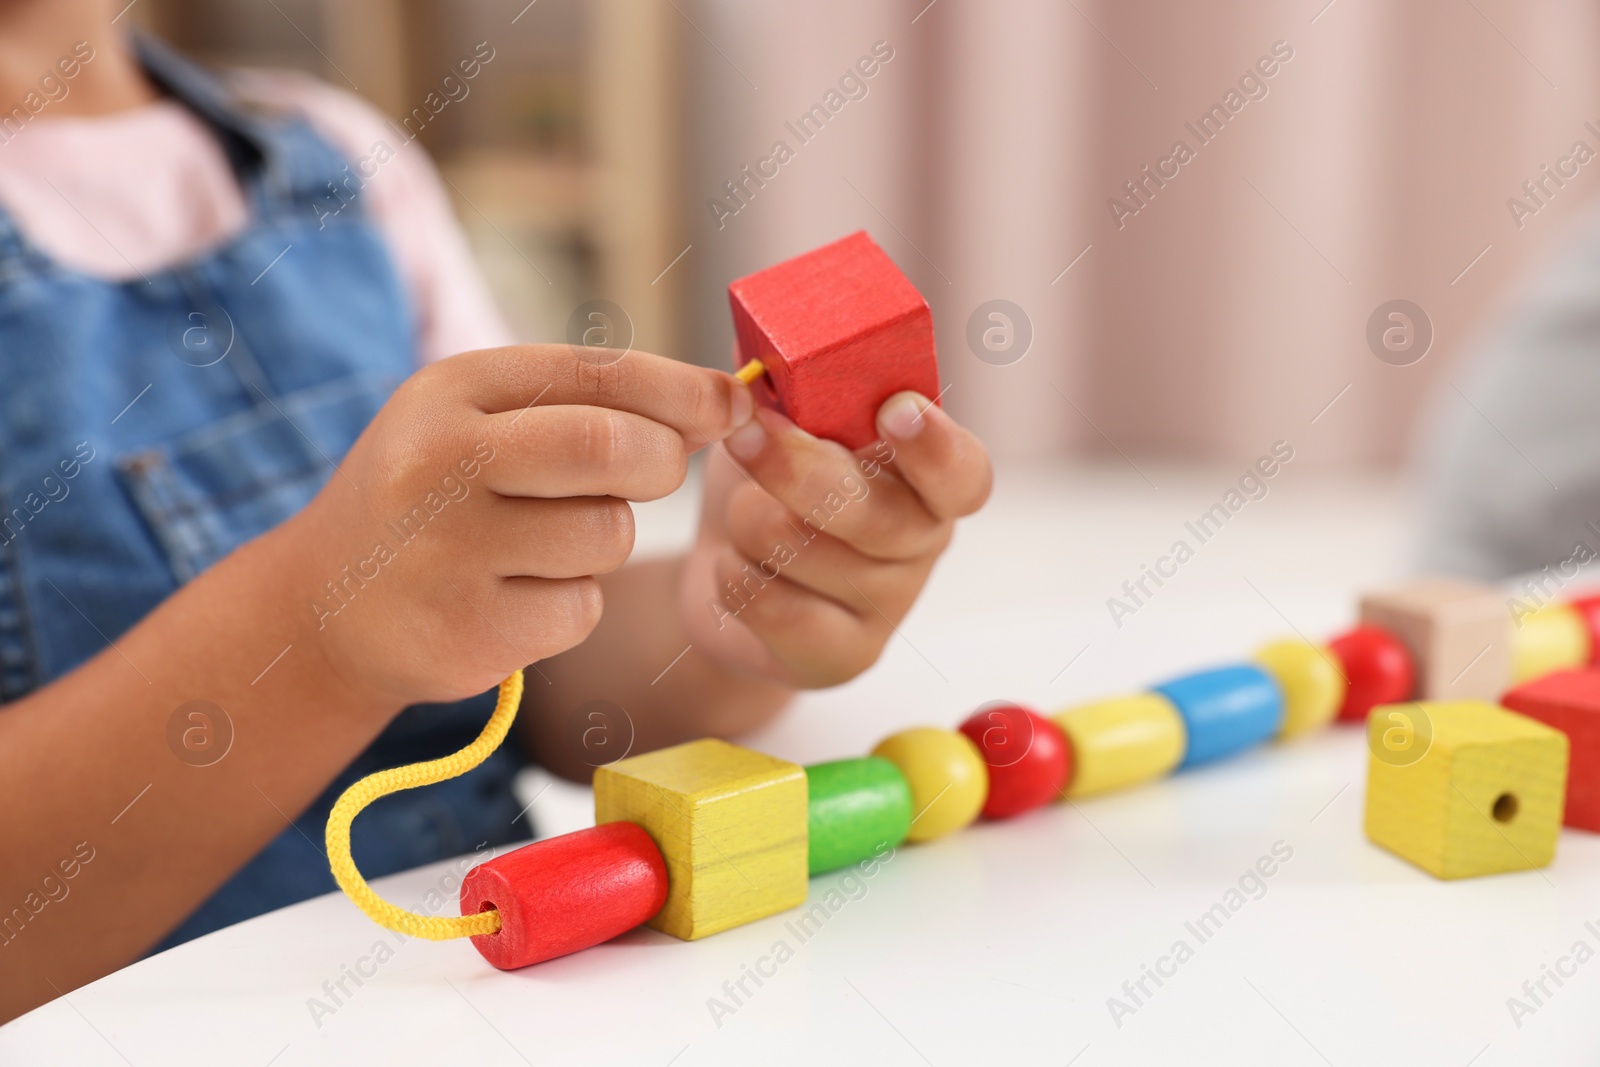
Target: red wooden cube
839,330
1588,607
1570,702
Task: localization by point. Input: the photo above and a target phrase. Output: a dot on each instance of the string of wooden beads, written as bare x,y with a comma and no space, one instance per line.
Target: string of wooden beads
706,836
737,833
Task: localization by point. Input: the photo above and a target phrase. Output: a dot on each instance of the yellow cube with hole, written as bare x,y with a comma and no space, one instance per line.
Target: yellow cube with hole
730,823
1463,788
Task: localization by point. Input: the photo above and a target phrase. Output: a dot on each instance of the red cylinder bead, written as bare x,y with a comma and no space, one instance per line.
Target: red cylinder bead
566,894
1588,609
1377,667
1029,758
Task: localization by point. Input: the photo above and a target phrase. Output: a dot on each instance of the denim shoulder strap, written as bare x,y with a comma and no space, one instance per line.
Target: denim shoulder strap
281,163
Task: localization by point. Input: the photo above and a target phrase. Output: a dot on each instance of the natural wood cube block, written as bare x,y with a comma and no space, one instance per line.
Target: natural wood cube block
731,824
1473,789
1458,634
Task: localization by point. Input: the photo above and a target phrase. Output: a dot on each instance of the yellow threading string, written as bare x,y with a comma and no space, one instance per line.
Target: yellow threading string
373,786
750,371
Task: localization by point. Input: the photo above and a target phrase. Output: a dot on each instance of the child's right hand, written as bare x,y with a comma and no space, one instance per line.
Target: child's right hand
458,540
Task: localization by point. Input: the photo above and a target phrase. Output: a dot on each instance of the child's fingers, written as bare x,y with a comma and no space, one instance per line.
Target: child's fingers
702,405
566,538
575,450
944,462
540,617
778,543
822,642
822,482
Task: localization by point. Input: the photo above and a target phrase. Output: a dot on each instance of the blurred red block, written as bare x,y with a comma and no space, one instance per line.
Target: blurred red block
1589,608
1570,702
566,893
840,330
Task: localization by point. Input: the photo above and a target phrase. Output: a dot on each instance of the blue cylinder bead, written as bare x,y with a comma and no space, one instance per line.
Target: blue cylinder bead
1225,710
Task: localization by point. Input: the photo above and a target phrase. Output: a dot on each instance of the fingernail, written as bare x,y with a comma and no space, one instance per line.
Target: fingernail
901,415
744,404
747,441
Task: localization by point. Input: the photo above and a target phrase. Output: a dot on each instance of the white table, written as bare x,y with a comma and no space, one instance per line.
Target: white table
1001,944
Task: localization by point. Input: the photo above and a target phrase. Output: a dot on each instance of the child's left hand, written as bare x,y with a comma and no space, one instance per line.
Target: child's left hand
808,556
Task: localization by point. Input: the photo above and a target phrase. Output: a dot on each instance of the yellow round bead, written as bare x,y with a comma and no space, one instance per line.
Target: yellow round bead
1312,681
1121,741
1549,639
949,782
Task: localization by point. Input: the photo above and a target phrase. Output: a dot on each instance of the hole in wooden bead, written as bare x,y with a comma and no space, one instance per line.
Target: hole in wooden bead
1505,807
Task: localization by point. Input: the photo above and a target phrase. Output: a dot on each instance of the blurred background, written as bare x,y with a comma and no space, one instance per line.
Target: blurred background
1375,164
1129,328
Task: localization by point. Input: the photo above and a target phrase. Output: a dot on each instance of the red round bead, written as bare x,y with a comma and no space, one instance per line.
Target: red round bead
1029,758
1377,667
1588,608
566,893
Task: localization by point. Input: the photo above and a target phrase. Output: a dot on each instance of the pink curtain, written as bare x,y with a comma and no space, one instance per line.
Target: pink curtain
1373,163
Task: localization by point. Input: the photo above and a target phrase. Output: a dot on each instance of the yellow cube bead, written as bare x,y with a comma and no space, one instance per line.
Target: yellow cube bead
1312,682
1121,741
730,823
1464,788
948,778
1548,640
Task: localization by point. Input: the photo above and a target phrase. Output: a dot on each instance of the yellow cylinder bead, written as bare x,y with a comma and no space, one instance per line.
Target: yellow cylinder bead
1549,639
949,782
1121,741
1312,681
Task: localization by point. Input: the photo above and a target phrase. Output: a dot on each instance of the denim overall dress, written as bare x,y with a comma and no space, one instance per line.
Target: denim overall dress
196,408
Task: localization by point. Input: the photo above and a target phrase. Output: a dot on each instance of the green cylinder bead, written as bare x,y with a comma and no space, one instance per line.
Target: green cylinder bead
857,808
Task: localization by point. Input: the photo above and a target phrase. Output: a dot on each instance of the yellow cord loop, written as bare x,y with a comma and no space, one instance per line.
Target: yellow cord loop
373,786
